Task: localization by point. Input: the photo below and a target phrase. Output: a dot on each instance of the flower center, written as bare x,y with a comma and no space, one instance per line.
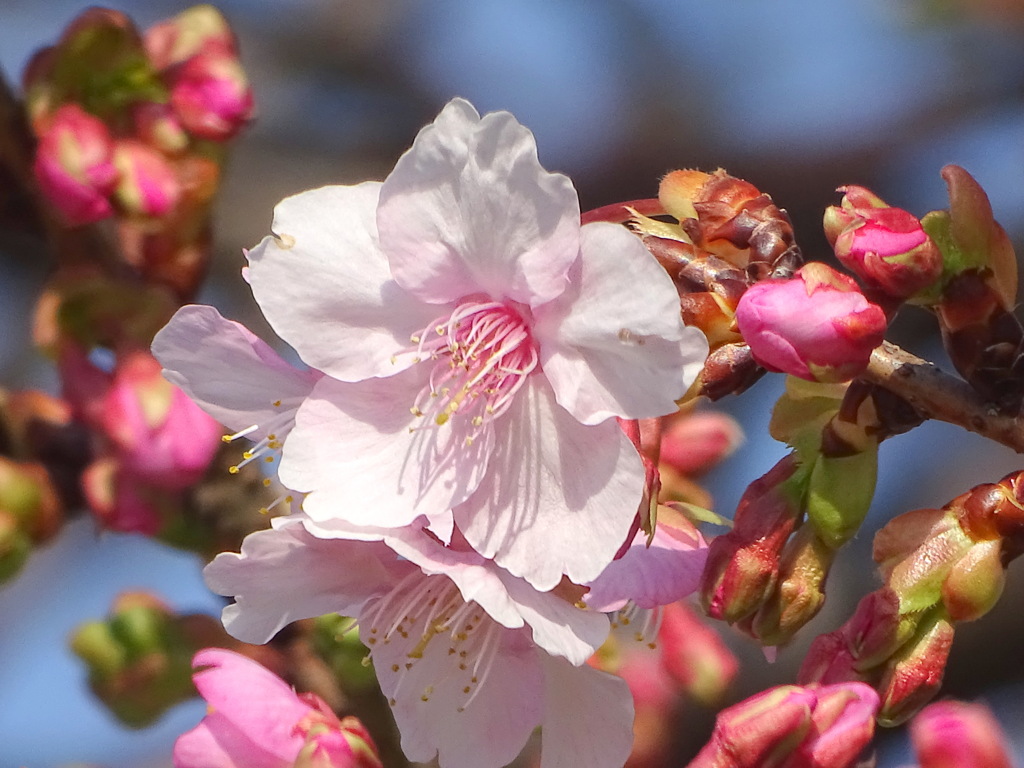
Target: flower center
482,354
268,447
417,611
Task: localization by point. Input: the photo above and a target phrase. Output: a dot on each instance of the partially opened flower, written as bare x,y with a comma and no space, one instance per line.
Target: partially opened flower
256,720
477,342
471,658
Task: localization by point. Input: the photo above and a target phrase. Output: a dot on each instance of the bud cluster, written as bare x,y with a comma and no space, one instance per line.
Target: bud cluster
727,234
133,125
767,575
139,656
940,567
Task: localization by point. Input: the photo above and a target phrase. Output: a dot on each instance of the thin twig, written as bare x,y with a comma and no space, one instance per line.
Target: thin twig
938,395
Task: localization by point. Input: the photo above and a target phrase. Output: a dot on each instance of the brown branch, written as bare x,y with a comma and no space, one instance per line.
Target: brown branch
938,395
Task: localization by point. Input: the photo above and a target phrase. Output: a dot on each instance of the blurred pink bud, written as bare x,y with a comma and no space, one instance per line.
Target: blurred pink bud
692,443
885,246
74,166
816,325
694,655
195,30
159,434
255,718
953,734
118,501
211,95
158,125
149,185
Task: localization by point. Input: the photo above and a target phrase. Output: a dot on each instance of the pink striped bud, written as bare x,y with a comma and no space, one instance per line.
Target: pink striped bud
884,246
692,443
794,727
816,326
74,166
149,185
211,95
953,734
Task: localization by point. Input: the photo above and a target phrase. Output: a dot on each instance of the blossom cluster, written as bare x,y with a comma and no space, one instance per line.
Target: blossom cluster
454,474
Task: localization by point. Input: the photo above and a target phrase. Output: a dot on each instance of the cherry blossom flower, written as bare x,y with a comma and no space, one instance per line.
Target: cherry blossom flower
476,342
257,721
471,658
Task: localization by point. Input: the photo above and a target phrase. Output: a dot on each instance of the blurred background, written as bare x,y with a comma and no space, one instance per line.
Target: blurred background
797,96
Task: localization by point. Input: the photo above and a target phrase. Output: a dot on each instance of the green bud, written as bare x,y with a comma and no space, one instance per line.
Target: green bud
15,547
975,582
840,492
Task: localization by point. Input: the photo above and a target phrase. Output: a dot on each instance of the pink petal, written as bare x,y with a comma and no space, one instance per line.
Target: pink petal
492,728
614,343
326,288
216,743
469,209
667,571
260,705
559,497
227,370
588,717
286,574
353,450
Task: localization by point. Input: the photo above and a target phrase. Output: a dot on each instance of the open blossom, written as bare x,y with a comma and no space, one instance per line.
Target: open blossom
471,658
476,342
257,721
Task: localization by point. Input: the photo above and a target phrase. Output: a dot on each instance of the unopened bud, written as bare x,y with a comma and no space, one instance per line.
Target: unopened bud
194,30
694,655
954,734
211,95
74,166
842,726
839,493
914,675
148,184
760,732
694,442
886,247
15,546
800,591
817,325
160,435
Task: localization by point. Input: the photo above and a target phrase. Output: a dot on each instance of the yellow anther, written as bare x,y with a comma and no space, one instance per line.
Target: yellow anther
233,470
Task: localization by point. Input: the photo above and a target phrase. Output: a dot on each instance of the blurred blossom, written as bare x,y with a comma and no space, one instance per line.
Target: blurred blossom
211,95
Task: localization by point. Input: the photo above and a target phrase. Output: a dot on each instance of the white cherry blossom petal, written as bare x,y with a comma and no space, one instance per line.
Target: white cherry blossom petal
470,210
432,704
229,372
326,288
362,456
601,736
559,497
286,574
614,343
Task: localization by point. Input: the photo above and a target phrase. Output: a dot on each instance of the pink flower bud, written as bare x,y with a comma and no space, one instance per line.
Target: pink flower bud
953,734
252,712
74,166
817,325
694,442
195,30
149,186
159,434
914,675
694,655
759,732
157,125
885,246
211,95
794,727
